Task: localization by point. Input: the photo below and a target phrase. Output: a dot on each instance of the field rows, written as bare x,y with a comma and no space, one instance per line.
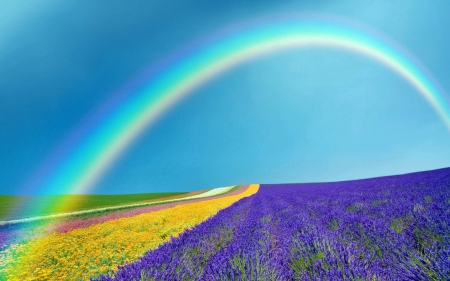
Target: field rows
209,193
19,231
395,228
100,248
390,228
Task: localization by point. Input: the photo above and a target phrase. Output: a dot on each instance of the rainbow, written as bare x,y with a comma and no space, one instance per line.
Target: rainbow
102,147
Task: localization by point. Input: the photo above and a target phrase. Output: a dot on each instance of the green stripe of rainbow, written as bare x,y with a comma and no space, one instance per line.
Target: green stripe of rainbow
101,149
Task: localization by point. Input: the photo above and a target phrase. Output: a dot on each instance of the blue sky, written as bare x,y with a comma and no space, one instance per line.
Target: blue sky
296,116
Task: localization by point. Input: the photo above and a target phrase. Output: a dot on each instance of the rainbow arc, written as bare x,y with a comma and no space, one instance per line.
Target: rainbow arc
102,147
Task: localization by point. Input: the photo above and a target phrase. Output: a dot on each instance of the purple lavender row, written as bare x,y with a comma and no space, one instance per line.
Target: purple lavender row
345,231
256,252
390,228
185,257
383,229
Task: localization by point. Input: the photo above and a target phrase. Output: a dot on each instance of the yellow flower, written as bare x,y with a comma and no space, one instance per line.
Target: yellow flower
99,249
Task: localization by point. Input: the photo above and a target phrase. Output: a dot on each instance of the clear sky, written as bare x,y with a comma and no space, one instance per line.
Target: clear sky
297,116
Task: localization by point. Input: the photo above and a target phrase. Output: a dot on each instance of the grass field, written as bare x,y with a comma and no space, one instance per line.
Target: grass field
14,207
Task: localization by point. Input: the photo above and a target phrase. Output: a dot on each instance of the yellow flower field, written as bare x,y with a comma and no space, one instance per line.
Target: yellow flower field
83,253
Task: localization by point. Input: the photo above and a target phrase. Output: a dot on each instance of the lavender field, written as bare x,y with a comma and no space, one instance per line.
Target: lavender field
390,228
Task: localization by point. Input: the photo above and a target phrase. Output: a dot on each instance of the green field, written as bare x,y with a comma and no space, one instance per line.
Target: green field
14,207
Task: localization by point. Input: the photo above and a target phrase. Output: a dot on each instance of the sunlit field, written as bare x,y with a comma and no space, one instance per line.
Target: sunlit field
389,228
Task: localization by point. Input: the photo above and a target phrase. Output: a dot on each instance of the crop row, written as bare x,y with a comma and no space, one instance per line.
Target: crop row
19,231
69,225
209,193
100,248
391,228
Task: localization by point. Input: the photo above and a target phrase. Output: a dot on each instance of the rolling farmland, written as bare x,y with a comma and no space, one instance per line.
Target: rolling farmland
389,228
392,228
